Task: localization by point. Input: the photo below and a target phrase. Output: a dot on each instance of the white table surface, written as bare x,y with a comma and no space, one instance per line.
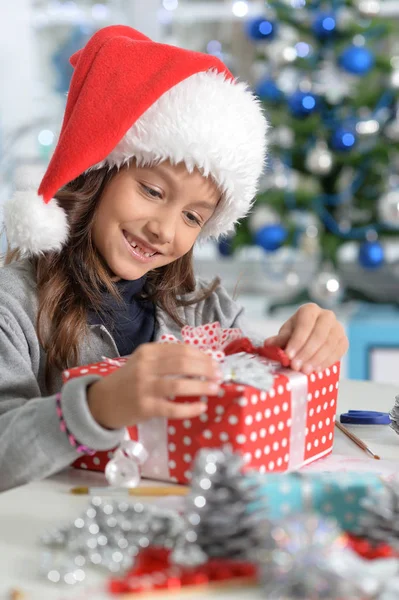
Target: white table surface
26,512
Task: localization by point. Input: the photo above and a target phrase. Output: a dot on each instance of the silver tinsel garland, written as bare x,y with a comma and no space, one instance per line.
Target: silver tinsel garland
379,522
108,534
305,557
394,414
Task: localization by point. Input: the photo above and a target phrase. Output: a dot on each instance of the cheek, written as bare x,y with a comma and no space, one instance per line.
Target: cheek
185,239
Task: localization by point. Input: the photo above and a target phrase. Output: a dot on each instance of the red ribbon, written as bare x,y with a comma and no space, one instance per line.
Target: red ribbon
270,352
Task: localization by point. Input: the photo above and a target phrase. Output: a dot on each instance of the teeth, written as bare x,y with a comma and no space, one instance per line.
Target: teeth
134,245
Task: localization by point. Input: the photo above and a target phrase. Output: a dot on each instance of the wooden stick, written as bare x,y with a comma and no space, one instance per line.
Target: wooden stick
214,588
355,439
16,594
139,491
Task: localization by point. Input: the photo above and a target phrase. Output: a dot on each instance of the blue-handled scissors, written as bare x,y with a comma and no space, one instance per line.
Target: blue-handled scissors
365,417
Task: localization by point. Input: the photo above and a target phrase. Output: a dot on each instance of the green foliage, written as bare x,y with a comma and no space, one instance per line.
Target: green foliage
370,160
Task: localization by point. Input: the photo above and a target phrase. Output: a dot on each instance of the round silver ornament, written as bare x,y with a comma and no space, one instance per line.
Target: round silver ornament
288,80
366,128
368,8
319,159
326,289
392,130
123,470
283,137
394,79
344,18
281,53
262,215
388,208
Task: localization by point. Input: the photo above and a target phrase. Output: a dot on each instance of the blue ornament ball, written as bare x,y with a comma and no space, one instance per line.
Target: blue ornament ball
358,60
225,246
324,25
271,237
371,255
261,29
267,89
343,139
302,104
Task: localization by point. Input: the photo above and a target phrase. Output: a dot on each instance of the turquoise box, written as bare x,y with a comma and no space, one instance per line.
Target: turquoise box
337,495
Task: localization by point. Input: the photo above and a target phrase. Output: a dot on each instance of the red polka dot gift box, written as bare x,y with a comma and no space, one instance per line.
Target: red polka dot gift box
277,418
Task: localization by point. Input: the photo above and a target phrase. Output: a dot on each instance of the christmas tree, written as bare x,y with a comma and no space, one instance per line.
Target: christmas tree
328,78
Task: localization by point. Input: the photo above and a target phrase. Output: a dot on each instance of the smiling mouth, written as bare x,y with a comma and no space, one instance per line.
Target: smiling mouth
141,249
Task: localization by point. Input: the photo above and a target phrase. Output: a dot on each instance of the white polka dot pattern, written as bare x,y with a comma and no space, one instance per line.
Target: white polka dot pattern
254,422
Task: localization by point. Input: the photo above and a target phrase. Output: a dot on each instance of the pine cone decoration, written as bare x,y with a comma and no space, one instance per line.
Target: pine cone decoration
225,513
380,520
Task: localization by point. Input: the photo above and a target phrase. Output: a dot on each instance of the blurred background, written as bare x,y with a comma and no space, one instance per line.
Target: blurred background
325,225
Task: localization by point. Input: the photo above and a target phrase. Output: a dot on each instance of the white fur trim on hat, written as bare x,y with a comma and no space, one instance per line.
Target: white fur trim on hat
209,122
32,226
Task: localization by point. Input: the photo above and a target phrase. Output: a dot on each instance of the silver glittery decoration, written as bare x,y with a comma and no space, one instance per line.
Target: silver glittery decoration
394,414
124,468
379,522
108,534
225,514
249,369
306,557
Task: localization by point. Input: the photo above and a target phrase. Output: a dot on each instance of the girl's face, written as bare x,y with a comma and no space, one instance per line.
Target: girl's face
151,216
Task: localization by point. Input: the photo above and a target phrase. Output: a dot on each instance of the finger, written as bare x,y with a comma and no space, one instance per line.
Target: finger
305,319
202,366
317,339
175,410
172,387
280,340
341,349
327,353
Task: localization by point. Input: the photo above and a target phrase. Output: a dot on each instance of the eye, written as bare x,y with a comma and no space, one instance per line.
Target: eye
193,219
151,192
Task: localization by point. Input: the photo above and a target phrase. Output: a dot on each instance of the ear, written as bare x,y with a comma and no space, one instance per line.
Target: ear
32,226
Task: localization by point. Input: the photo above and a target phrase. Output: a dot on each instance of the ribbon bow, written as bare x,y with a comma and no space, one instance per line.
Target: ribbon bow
219,343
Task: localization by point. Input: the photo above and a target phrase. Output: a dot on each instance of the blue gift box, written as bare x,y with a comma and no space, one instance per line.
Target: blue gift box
337,495
372,327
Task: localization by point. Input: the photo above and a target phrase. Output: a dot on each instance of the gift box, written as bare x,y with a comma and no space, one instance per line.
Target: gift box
337,495
280,420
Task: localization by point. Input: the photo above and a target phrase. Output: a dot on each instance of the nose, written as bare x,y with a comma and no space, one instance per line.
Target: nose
161,229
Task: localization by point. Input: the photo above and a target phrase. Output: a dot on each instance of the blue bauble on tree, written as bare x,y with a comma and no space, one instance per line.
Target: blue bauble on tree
271,237
225,246
371,255
261,29
358,60
302,104
324,25
267,89
343,139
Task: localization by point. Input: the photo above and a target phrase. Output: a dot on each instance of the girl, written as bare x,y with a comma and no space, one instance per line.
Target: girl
159,147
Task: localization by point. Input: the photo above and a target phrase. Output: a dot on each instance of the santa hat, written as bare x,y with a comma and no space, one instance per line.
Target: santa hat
130,98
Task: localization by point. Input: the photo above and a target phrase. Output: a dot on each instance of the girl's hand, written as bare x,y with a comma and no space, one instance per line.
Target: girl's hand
312,338
142,388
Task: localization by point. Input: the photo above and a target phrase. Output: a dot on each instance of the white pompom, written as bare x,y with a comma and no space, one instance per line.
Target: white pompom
32,226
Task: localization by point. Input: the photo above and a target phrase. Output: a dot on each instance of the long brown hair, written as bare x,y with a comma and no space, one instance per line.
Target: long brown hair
71,282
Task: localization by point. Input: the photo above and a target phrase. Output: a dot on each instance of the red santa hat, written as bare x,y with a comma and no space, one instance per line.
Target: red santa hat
131,97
